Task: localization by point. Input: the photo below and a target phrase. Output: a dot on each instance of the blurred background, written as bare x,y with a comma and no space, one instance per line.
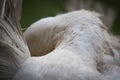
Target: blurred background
34,10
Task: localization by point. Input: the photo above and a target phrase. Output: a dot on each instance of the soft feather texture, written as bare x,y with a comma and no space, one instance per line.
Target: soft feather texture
74,46
13,49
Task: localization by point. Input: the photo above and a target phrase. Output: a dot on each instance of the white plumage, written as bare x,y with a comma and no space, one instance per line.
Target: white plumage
73,45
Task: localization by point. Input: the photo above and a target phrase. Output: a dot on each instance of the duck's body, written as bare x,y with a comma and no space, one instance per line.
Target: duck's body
76,39
75,46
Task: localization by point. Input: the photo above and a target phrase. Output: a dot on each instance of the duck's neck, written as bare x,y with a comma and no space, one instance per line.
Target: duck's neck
85,42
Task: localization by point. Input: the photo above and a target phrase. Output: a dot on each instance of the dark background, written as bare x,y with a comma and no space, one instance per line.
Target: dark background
34,10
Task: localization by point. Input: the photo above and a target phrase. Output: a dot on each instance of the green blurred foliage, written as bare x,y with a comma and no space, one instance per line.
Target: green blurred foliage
34,10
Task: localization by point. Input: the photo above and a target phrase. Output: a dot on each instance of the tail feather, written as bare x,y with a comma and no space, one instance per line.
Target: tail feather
13,49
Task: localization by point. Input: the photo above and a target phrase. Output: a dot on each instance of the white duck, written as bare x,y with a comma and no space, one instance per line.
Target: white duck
74,46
